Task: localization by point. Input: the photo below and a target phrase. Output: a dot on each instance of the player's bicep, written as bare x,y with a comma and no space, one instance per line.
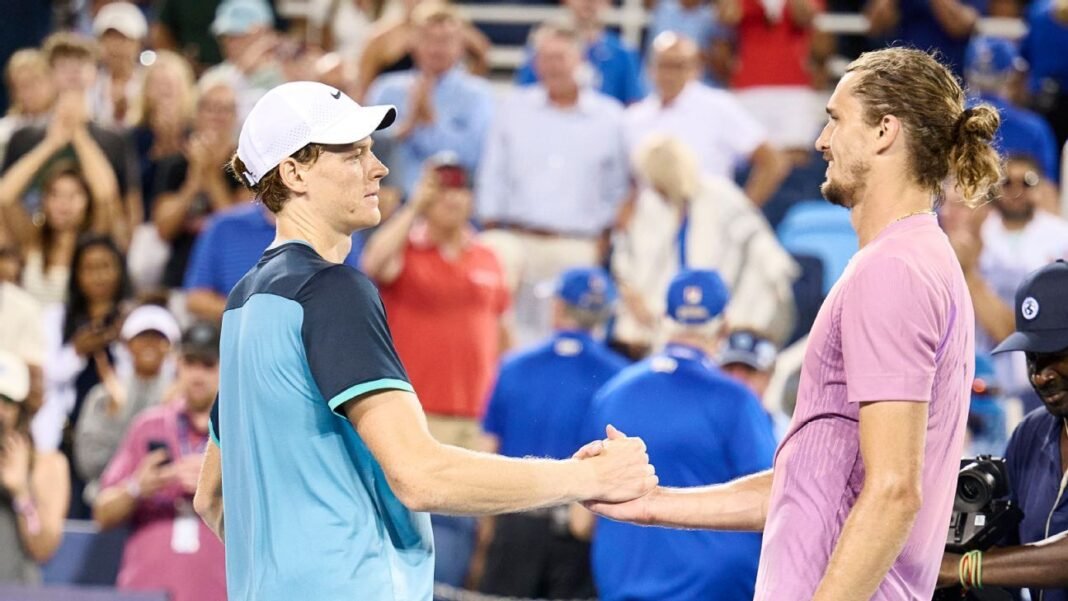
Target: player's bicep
392,425
892,439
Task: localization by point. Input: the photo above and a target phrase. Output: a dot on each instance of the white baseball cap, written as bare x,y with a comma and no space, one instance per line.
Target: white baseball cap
14,377
298,113
124,18
151,318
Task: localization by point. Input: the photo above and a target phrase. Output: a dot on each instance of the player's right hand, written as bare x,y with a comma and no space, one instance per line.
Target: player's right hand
621,468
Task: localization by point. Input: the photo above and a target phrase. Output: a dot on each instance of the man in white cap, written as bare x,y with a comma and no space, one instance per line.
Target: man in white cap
149,333
34,485
319,507
120,28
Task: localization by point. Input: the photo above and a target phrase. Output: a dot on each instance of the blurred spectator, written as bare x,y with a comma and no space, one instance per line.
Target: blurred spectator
193,184
749,358
72,59
442,107
697,20
343,27
29,86
944,26
75,202
25,25
20,313
774,75
151,480
148,334
683,220
711,122
120,28
553,175
987,422
34,485
538,408
81,337
616,69
991,66
390,48
185,27
230,244
161,117
1047,33
245,29
683,407
445,298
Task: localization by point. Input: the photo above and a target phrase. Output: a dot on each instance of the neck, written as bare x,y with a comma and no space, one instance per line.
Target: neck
121,72
447,238
666,99
591,31
293,224
886,200
146,375
99,308
1013,224
564,96
698,342
199,418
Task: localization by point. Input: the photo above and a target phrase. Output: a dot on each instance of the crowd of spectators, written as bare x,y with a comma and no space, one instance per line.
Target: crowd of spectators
535,231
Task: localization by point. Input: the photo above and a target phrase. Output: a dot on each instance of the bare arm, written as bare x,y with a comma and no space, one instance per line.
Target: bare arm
892,438
51,495
103,185
883,15
18,178
206,304
383,256
115,504
208,501
957,18
770,167
429,476
476,47
994,315
1040,565
802,12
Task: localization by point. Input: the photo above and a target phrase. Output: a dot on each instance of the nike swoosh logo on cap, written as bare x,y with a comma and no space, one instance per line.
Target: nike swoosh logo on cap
336,94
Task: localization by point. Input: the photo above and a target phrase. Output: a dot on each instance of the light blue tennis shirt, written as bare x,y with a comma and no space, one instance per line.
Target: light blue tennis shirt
308,511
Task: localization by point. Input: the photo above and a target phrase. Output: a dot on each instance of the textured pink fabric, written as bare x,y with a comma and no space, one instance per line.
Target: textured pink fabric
898,326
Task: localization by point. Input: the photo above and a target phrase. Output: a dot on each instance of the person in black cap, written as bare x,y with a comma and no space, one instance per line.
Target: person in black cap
1037,454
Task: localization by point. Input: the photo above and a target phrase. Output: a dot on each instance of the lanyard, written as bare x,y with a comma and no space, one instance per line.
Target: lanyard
183,438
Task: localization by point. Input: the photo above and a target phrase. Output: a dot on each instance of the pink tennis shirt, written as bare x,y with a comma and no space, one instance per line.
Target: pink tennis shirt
897,326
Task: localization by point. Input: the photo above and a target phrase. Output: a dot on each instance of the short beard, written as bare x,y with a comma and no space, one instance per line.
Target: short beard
845,194
1025,214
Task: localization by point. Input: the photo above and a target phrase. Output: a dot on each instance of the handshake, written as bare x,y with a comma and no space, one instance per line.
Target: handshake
621,475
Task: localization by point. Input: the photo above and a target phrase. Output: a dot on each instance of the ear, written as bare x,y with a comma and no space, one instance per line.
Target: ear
886,133
293,175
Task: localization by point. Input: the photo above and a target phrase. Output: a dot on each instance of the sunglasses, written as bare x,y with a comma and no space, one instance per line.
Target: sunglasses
1029,180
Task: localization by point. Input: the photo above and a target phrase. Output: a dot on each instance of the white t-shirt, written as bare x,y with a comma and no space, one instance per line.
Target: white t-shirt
711,122
21,331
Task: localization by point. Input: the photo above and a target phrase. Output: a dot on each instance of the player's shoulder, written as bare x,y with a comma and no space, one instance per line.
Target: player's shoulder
338,281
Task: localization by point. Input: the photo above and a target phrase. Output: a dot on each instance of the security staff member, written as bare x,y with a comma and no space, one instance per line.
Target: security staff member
1037,454
701,427
537,409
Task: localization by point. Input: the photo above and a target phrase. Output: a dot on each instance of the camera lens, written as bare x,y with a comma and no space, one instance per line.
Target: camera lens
975,487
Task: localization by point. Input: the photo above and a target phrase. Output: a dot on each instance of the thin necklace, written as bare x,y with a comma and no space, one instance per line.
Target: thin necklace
913,214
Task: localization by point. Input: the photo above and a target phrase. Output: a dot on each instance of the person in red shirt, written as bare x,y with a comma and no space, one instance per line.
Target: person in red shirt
151,480
446,297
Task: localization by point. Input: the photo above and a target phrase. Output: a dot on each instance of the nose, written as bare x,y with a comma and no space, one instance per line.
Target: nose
378,169
822,144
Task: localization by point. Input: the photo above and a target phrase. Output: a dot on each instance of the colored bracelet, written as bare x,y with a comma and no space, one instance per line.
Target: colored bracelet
25,507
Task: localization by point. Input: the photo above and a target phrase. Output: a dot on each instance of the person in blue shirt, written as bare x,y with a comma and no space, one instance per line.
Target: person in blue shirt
990,66
1042,46
223,253
944,26
321,470
443,107
537,409
1037,454
616,66
701,427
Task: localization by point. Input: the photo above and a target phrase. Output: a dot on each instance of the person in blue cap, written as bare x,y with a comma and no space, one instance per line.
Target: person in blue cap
701,427
537,409
1037,454
991,67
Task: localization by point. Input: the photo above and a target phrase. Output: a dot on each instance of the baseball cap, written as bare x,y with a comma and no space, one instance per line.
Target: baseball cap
298,113
124,18
749,349
238,17
696,296
150,318
587,288
14,377
1041,312
989,56
453,173
201,340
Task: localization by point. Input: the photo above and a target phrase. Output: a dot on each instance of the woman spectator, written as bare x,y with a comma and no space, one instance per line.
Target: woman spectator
81,343
390,49
161,121
29,86
194,185
34,485
73,202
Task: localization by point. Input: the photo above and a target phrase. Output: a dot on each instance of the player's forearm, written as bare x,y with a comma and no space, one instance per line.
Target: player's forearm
739,505
459,481
1041,564
871,540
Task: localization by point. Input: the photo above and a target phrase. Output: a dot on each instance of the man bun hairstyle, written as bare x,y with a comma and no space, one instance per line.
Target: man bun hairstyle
943,138
271,190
